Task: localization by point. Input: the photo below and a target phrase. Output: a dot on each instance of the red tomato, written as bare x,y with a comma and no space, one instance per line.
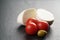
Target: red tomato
43,26
31,28
31,20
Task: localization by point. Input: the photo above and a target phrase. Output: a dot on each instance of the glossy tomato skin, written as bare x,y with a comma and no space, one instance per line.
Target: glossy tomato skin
31,28
43,26
31,20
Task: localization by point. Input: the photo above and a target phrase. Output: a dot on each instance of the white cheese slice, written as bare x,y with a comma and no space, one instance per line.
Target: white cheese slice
26,14
43,14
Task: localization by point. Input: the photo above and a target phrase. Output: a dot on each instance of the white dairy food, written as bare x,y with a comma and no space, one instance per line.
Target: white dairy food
26,14
44,15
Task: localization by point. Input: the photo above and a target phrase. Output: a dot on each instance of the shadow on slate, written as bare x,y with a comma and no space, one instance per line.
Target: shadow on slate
21,29
35,37
49,32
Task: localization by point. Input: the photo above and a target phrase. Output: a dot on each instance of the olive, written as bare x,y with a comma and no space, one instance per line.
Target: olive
41,33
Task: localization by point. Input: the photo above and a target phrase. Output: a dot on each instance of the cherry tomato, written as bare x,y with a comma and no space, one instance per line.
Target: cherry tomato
43,26
31,20
31,28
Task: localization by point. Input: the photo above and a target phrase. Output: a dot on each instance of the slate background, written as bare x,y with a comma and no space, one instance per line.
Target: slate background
9,10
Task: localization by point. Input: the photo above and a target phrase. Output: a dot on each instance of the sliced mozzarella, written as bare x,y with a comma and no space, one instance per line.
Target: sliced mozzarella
43,14
29,13
26,14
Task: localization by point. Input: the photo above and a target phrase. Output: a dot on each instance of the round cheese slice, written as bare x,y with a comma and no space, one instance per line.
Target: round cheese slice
45,15
26,14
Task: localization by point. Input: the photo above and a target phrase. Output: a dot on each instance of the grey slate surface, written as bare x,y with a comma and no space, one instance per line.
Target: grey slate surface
9,10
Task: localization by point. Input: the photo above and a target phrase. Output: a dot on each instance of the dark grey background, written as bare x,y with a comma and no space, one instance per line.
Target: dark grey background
9,10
